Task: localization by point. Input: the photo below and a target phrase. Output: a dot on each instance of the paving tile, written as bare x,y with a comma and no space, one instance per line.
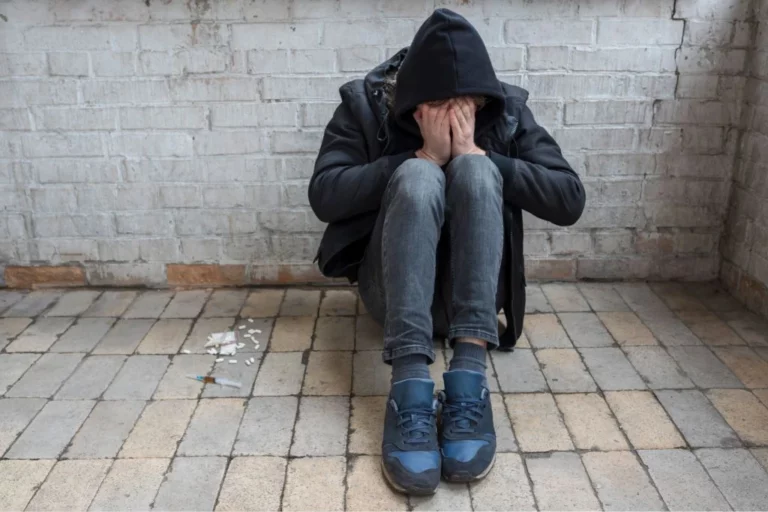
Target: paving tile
105,430
165,337
360,306
71,485
537,423
51,430
535,300
9,298
19,479
657,368
84,335
15,415
697,419
639,297
627,329
267,426
709,328
564,371
565,297
505,438
745,364
644,421
338,302
33,303
669,329
292,334
590,422
91,379
518,371
367,424
682,481
124,337
192,483
186,304
315,483
438,368
45,376
611,369
138,378
366,488
738,476
10,328
328,373
335,333
762,395
371,376
491,376
204,327
761,454
677,297
751,328
149,304
223,303
494,492
39,336
522,341
130,485
240,491
213,427
544,331
322,425
620,481
602,297
112,304
280,374
12,367
300,303
744,412
762,352
159,429
73,303
449,496
240,372
586,330
560,482
176,382
368,334
703,368
262,304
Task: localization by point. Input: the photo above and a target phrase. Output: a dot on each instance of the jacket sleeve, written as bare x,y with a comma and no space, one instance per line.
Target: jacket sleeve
539,180
345,183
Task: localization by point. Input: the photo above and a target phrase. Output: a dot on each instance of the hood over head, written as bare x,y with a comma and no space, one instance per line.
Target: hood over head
446,59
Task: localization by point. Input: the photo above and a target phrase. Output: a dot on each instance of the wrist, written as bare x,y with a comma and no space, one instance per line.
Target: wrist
426,155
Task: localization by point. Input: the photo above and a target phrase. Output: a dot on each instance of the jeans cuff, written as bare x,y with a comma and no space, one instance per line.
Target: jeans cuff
408,349
491,338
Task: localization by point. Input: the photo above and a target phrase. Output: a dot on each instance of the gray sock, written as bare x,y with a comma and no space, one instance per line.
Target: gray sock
413,366
468,356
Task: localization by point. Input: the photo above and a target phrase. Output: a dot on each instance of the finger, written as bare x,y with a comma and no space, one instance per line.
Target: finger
455,126
467,109
461,118
443,117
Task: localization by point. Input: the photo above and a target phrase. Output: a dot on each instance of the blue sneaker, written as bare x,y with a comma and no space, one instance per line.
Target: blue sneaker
467,436
410,454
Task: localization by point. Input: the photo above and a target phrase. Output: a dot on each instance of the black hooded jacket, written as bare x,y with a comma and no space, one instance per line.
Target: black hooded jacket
364,143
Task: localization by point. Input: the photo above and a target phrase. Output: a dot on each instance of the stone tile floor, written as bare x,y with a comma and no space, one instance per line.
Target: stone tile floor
620,396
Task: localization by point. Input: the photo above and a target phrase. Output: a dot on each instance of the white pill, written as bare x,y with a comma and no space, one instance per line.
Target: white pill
232,361
219,359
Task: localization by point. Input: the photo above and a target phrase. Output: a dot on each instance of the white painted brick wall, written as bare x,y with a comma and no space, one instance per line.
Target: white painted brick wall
134,134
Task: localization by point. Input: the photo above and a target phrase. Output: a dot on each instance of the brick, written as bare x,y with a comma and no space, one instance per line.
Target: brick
369,335
304,88
292,334
167,37
280,374
543,58
105,430
267,426
130,484
703,368
315,482
39,336
15,119
254,115
630,59
51,430
213,428
238,492
68,64
371,377
162,118
359,58
266,36
112,64
711,10
607,112
561,483
176,383
20,479
627,32
21,94
246,375
738,476
159,429
611,369
15,414
186,304
744,412
366,490
585,330
29,277
23,64
620,481
321,428
191,484
590,422
148,305
644,420
260,61
565,297
328,373
138,378
537,423
124,337
698,421
544,331
492,494
91,379
691,60
137,145
518,371
564,371
620,165
44,377
549,33
128,92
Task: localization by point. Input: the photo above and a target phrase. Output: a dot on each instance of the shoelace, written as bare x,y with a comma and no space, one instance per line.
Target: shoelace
416,424
464,416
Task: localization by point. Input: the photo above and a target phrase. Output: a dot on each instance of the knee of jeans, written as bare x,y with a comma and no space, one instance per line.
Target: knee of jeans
474,175
419,181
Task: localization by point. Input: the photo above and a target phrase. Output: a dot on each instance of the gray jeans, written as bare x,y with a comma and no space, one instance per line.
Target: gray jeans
433,264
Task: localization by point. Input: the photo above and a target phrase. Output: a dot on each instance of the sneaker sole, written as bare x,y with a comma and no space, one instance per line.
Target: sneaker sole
403,490
464,477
